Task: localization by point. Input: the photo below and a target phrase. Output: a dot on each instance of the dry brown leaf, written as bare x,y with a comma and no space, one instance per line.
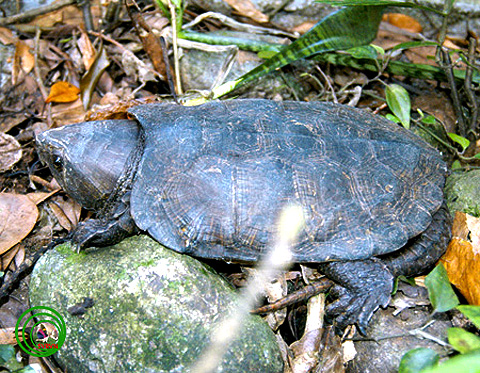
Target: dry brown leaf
8,257
422,55
68,113
39,197
450,44
10,152
20,257
23,60
303,27
7,336
462,259
403,21
6,36
38,180
18,215
439,105
388,39
27,59
68,15
63,92
67,211
87,50
247,8
11,121
473,225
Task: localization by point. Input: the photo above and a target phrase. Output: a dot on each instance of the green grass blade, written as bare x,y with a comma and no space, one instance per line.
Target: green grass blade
411,70
344,29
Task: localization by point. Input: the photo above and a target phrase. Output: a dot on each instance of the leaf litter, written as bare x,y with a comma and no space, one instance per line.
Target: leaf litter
122,63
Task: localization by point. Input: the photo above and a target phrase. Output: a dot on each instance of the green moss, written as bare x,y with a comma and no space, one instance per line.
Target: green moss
147,263
154,309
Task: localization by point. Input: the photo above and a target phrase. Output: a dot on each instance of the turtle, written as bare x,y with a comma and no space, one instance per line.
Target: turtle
210,180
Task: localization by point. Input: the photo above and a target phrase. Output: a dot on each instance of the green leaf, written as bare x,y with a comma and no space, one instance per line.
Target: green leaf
419,71
379,50
414,44
225,38
472,313
367,51
429,119
467,363
417,359
463,341
477,156
266,54
341,30
456,165
398,101
393,118
410,280
462,141
6,353
164,7
440,291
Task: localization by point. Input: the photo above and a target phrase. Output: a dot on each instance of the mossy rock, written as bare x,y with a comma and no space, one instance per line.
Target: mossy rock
154,310
462,192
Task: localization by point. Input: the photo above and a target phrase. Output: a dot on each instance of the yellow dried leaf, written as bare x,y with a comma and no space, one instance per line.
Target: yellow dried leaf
63,92
462,259
403,21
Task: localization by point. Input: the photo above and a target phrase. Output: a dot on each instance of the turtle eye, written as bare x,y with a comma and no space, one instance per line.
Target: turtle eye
58,163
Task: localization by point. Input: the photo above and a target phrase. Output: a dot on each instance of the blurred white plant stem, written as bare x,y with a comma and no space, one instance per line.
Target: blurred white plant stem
278,259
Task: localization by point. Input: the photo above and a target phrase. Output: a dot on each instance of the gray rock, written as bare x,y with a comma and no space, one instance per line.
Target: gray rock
286,14
465,14
153,310
462,192
389,338
199,70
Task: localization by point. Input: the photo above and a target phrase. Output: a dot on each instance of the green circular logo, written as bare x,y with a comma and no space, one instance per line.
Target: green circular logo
47,334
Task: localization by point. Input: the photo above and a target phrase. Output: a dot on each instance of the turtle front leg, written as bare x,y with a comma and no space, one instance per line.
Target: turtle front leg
361,287
103,232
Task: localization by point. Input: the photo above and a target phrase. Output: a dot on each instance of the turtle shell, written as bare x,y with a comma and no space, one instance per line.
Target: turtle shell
213,179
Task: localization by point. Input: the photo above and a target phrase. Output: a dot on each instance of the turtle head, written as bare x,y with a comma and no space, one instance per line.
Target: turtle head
87,159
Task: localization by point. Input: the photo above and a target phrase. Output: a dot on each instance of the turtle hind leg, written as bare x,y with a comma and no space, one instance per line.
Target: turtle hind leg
364,285
361,286
423,251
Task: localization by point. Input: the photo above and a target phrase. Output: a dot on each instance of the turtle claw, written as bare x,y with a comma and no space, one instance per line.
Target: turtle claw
362,287
101,232
357,308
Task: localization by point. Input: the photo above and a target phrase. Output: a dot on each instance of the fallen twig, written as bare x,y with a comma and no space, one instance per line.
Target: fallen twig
29,14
